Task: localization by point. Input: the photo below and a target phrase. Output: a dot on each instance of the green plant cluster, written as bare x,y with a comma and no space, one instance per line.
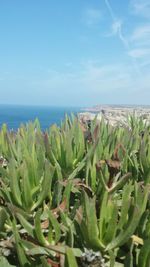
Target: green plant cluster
75,195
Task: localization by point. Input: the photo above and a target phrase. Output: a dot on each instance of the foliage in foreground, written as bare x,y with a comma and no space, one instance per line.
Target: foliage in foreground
74,196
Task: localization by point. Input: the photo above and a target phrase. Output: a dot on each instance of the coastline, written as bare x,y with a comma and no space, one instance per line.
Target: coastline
115,114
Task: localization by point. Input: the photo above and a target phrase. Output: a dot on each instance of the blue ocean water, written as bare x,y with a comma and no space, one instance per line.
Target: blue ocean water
13,116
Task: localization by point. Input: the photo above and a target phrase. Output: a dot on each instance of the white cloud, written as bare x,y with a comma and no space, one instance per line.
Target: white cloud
140,43
139,53
141,33
145,63
140,37
93,79
88,83
140,7
117,30
92,16
116,25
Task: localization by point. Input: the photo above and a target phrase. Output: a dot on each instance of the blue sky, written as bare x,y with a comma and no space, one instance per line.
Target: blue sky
74,53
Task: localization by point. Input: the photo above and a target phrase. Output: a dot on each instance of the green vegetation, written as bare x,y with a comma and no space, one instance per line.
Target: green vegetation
75,196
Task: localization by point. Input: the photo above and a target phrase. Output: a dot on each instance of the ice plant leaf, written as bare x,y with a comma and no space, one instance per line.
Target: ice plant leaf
71,258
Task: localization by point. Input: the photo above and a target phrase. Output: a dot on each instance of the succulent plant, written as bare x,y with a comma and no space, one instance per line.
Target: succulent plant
75,195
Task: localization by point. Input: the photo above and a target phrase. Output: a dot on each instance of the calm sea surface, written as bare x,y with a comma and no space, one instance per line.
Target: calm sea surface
13,116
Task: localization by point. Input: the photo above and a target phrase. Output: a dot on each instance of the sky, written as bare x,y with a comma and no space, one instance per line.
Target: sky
74,53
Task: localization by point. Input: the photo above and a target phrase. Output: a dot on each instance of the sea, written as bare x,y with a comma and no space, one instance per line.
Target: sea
14,116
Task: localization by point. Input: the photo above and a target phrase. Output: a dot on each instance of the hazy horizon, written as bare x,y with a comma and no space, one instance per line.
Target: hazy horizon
71,106
75,53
